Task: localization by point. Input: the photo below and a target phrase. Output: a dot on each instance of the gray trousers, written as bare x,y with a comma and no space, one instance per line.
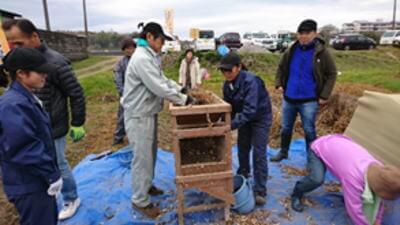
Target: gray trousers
119,133
142,135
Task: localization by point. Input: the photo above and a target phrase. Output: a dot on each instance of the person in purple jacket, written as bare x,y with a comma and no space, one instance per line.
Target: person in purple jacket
31,177
365,181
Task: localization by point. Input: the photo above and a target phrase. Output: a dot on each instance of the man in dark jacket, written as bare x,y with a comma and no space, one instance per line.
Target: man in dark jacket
252,115
306,77
128,47
61,87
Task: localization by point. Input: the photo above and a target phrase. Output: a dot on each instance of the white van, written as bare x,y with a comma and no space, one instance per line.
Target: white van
261,39
205,41
171,46
389,36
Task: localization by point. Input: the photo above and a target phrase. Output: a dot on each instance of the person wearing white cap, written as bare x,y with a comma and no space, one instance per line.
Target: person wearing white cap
144,91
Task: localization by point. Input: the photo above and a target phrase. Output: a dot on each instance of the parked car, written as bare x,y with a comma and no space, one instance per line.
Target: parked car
255,38
353,42
247,39
231,40
396,41
389,36
171,46
205,41
261,39
271,44
284,39
333,39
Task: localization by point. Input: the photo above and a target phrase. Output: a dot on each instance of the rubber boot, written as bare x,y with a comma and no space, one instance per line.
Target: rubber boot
283,153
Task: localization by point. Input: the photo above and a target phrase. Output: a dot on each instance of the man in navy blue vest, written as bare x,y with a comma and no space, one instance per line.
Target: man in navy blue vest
252,116
306,77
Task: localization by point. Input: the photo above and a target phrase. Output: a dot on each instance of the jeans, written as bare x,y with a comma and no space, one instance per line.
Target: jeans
142,135
254,134
314,179
308,114
119,133
68,190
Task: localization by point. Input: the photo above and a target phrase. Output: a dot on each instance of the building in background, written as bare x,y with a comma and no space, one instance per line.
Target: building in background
367,26
72,46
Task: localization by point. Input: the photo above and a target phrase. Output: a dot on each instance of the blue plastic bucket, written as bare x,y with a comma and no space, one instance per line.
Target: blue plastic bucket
243,194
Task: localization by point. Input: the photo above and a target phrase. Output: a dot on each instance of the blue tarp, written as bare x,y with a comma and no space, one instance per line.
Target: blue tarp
104,187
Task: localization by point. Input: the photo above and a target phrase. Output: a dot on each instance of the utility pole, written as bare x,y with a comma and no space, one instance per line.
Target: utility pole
394,15
46,15
86,25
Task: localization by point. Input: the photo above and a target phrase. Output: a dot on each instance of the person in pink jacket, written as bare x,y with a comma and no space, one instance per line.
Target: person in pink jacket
364,180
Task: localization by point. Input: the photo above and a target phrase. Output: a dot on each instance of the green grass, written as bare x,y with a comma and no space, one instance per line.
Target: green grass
380,67
99,84
89,62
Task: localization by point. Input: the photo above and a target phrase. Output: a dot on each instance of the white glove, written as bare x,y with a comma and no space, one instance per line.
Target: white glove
55,188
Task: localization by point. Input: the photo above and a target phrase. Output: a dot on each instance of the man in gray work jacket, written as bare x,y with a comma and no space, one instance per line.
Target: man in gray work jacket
143,98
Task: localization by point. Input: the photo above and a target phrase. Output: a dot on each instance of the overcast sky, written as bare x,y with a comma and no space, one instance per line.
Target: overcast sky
219,15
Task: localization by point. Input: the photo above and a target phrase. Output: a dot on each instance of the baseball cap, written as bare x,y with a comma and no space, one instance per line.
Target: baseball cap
156,28
27,59
307,26
229,61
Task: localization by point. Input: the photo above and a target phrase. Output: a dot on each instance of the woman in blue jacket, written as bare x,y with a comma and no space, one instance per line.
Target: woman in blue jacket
31,178
252,116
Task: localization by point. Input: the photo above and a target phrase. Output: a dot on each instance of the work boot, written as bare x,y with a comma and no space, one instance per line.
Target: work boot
154,191
280,156
285,145
297,205
260,200
150,210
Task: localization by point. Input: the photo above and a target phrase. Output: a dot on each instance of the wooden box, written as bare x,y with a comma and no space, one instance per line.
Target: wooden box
203,157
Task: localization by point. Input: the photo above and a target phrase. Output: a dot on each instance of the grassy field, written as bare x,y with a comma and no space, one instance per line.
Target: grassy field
360,70
380,67
88,62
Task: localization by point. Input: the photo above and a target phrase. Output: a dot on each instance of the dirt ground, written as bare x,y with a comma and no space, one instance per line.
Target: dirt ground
101,119
332,118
